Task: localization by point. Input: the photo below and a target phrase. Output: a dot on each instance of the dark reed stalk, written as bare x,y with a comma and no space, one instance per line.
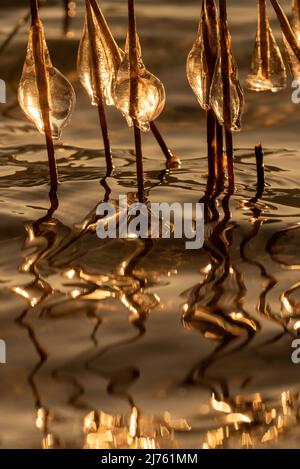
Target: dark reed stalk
259,156
171,158
286,29
133,59
43,88
211,143
211,58
98,83
225,65
215,143
220,154
264,37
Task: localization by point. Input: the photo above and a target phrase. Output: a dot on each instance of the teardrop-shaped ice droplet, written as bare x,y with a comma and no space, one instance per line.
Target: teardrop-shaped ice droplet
197,68
198,72
61,95
109,56
236,94
271,76
150,94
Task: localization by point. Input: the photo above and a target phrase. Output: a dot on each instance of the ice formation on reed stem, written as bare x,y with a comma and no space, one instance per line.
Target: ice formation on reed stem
58,98
236,91
268,72
151,98
296,17
108,54
198,63
292,59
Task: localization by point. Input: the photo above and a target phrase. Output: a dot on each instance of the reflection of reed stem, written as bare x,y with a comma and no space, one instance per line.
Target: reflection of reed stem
97,78
264,37
43,88
225,64
286,28
133,59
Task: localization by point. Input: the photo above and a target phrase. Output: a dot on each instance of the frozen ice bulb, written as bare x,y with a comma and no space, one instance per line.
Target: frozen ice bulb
293,61
150,99
236,91
268,72
109,57
296,17
59,95
198,63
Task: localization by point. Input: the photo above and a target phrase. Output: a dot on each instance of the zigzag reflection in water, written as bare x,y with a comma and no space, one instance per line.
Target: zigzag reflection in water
67,284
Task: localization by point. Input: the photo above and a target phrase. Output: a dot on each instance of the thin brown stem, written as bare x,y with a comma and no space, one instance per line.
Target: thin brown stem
133,59
43,89
139,163
264,37
259,155
287,29
211,143
98,84
34,9
226,66
208,19
133,99
105,136
220,154
164,147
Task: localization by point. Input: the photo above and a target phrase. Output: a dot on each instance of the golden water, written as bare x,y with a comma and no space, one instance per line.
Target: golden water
144,344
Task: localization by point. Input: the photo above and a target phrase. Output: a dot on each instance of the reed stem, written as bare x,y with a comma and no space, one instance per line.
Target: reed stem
98,83
164,147
43,89
34,9
220,154
211,143
259,155
264,37
286,29
225,65
208,19
133,60
139,163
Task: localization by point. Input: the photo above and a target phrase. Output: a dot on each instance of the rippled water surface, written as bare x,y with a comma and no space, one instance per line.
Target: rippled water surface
132,343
